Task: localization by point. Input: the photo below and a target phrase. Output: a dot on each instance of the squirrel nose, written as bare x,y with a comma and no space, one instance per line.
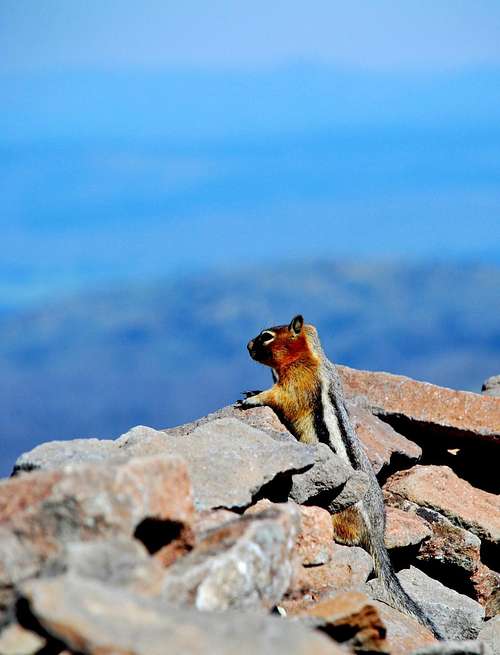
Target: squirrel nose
250,345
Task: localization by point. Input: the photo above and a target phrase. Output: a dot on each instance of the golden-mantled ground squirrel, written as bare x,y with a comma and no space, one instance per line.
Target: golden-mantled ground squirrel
308,398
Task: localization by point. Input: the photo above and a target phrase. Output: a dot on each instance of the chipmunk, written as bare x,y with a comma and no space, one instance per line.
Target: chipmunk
308,398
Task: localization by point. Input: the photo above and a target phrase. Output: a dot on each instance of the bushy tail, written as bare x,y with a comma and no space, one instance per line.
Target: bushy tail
395,593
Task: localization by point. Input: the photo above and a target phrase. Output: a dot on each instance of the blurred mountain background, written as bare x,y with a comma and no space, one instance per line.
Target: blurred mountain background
174,178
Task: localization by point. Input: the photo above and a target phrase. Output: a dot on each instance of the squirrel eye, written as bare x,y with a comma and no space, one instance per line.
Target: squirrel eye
267,337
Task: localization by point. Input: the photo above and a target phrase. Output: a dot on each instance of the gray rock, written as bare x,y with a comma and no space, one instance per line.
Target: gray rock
91,618
456,615
491,386
330,483
56,454
229,461
469,647
490,634
245,564
120,562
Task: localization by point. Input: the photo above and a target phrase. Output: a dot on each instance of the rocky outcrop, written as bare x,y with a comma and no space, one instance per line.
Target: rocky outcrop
190,539
491,386
414,405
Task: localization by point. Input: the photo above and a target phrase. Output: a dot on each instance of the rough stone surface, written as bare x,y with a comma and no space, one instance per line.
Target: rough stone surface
456,615
120,562
450,545
56,454
229,461
352,615
211,519
450,647
15,640
490,634
491,386
93,619
404,529
487,588
325,480
246,564
41,511
404,633
380,440
439,488
426,405
315,537
348,568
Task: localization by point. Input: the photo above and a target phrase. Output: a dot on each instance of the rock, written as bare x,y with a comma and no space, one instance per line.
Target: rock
487,588
229,461
211,519
119,562
42,511
404,529
469,647
456,615
15,640
490,634
439,488
351,618
450,545
381,442
245,564
315,537
491,386
404,633
93,619
412,406
325,480
348,568
56,454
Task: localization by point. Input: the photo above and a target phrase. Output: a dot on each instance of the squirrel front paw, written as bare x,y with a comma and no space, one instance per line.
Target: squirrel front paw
249,400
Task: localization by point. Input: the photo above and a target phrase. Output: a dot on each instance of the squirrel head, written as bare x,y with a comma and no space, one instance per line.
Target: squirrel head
281,345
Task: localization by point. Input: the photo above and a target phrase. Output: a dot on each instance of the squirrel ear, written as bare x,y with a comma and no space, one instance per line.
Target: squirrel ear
296,324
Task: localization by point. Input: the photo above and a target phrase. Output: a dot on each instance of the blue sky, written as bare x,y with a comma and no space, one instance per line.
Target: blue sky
142,139
387,35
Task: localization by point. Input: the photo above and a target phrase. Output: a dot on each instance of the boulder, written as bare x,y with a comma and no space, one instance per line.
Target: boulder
439,488
90,618
347,568
330,483
381,442
451,647
491,386
16,640
229,461
487,589
404,633
490,634
40,512
404,529
456,615
244,564
413,406
350,618
316,536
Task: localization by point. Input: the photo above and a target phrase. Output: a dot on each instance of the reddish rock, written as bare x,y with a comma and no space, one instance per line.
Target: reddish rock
404,633
351,618
439,488
315,537
41,511
404,529
347,568
380,440
445,410
487,587
451,545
